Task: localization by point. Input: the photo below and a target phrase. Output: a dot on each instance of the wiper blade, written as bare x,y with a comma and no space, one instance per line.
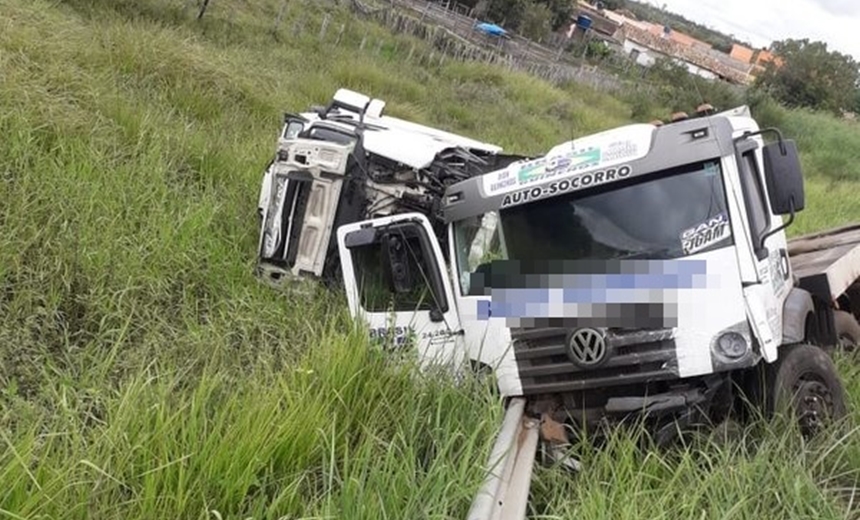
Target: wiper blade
650,254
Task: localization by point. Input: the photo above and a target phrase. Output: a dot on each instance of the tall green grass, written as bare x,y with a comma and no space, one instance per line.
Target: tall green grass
144,373
830,155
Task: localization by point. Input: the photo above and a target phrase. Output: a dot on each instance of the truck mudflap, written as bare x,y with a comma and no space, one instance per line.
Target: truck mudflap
504,493
305,184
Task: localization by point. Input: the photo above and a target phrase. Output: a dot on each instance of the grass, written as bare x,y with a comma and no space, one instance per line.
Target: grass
144,373
829,149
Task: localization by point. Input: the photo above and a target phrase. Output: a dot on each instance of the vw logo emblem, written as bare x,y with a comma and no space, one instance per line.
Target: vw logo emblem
586,348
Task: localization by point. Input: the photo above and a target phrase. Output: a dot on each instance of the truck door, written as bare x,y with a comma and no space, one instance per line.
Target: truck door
766,285
394,276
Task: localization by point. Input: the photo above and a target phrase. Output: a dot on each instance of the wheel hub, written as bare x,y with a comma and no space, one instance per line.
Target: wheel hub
814,404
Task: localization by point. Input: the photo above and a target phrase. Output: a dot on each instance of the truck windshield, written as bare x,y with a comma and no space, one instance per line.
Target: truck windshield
665,215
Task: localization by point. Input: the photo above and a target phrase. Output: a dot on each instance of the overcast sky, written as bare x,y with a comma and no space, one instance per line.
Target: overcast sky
836,22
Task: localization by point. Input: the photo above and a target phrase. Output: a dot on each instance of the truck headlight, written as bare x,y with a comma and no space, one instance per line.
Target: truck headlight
731,345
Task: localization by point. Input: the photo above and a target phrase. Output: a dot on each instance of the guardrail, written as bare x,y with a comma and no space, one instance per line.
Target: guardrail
505,491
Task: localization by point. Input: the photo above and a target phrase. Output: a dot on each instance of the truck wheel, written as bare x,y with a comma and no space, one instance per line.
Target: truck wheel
804,382
847,330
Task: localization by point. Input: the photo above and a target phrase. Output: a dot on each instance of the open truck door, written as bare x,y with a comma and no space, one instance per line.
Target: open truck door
395,280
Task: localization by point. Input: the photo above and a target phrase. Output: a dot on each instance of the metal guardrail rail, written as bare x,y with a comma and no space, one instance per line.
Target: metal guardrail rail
505,491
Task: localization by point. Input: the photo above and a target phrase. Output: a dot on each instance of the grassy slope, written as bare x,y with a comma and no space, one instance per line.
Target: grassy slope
145,374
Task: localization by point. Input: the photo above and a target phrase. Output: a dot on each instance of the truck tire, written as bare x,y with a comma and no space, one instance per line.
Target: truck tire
847,330
804,383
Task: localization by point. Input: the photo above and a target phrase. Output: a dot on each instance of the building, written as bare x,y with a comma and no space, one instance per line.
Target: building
677,37
646,42
741,53
756,59
646,46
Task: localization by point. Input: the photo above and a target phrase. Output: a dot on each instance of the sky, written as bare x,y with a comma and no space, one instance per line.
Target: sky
759,22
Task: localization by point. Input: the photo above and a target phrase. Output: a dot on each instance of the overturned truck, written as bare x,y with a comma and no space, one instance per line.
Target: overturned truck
347,162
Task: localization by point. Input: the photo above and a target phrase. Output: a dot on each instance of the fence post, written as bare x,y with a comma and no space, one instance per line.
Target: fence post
203,7
298,25
280,16
324,27
340,33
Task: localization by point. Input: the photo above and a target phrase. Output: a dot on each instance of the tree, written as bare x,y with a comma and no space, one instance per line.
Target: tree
508,12
536,20
807,74
525,15
560,11
613,5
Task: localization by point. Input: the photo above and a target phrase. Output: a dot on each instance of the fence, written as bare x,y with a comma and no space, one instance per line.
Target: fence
548,62
450,31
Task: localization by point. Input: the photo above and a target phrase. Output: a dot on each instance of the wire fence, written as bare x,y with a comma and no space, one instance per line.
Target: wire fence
450,31
549,60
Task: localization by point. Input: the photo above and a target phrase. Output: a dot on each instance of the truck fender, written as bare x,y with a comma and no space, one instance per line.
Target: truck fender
798,305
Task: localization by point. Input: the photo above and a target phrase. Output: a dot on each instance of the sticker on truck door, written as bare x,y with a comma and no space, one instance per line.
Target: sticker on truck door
704,235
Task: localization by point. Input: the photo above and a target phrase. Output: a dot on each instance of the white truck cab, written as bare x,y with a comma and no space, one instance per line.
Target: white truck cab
641,269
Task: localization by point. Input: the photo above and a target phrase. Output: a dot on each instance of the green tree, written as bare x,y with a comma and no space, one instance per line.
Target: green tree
679,90
508,12
536,21
560,11
612,5
525,15
809,75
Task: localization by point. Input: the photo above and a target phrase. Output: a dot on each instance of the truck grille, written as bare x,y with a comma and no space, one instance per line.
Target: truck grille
637,356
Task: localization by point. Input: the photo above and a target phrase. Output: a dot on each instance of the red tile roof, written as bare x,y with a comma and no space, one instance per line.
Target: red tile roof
692,54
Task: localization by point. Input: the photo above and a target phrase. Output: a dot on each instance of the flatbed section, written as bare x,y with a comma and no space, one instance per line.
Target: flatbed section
827,263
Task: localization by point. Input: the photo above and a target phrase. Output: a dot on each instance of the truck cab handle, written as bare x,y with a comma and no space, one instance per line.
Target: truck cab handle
786,265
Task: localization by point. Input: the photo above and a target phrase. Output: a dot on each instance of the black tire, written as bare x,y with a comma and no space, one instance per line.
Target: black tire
847,330
804,383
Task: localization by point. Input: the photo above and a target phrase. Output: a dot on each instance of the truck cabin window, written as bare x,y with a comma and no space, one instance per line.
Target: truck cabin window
395,273
330,134
664,215
754,196
293,129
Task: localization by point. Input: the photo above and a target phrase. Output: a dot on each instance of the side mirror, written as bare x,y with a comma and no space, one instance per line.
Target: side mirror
360,237
397,260
783,176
